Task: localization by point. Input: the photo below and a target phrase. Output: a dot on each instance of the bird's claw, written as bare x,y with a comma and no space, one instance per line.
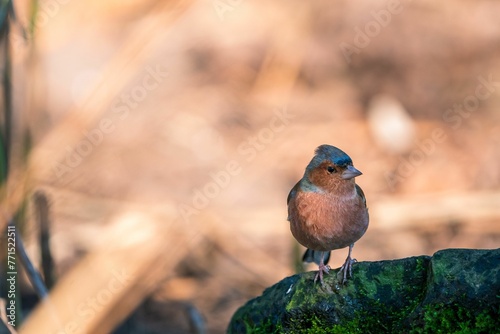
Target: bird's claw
346,268
322,269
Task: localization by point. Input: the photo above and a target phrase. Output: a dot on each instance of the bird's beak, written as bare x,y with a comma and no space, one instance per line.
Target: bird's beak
350,173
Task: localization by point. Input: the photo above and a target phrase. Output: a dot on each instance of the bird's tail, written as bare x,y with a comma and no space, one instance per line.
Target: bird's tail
315,256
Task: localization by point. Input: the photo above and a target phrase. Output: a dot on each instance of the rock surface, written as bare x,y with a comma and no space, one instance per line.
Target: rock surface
454,291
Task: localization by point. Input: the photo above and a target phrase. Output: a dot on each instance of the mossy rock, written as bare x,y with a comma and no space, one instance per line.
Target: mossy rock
454,291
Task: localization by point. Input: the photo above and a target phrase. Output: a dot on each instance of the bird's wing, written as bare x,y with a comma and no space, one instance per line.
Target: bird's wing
361,194
292,192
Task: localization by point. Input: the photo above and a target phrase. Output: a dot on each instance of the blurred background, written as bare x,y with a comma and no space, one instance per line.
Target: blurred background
166,135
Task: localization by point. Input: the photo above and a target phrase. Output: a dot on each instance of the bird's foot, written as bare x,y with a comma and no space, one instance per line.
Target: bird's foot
321,269
346,269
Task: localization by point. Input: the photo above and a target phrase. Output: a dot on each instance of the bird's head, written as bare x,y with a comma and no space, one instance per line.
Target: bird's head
330,168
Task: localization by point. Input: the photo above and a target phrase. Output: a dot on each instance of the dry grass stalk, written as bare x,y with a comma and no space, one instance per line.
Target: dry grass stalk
114,278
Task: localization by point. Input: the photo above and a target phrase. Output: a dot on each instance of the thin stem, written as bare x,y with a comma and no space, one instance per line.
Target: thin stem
33,275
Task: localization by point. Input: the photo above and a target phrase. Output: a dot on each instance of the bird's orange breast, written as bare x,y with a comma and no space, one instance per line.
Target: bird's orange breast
323,222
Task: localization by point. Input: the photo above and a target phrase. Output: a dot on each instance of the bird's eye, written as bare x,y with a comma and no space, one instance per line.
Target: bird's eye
331,169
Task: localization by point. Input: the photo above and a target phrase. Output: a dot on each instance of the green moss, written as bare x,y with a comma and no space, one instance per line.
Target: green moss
312,325
265,328
413,295
375,318
302,293
369,286
457,319
316,325
437,319
421,265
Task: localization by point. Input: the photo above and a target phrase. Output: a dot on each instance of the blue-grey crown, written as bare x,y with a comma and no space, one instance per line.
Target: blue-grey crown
329,153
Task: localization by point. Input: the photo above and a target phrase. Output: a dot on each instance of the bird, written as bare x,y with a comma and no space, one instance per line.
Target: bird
327,209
